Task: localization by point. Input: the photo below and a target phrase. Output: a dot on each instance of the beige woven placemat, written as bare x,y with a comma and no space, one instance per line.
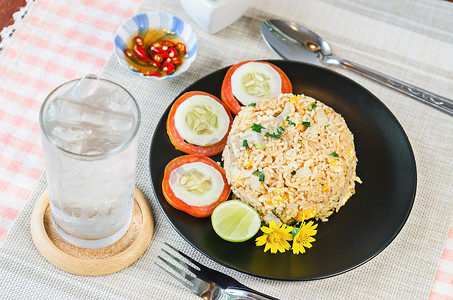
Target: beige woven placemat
410,41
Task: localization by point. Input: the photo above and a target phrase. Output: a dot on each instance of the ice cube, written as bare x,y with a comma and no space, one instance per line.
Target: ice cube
120,122
86,88
66,109
74,148
91,117
119,101
53,111
67,135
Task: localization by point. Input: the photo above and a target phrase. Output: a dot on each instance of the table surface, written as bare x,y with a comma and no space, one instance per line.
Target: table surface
57,42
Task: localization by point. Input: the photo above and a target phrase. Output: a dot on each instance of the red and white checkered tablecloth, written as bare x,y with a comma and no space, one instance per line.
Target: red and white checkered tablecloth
58,41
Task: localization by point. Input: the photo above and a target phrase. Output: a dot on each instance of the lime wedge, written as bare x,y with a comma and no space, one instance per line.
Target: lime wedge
235,221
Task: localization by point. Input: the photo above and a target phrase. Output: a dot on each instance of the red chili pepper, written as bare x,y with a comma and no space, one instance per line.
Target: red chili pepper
141,53
129,53
172,52
139,41
157,74
168,43
157,50
181,48
168,67
156,45
156,57
177,61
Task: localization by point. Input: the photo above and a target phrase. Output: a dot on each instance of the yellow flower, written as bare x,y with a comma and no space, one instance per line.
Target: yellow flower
275,237
303,238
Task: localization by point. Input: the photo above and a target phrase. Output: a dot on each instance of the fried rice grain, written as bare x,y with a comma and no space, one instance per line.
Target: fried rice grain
291,157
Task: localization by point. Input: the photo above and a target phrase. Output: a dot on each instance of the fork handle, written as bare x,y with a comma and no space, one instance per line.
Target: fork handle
246,293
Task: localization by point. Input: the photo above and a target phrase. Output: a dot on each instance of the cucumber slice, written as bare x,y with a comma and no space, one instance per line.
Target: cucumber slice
197,184
253,81
201,120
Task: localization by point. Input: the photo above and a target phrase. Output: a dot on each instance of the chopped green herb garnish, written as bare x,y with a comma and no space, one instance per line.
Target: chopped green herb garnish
260,175
245,144
275,214
280,129
293,173
334,154
306,124
311,106
257,128
276,136
290,122
253,104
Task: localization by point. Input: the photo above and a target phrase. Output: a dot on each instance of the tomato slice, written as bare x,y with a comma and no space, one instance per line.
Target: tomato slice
180,143
227,92
180,204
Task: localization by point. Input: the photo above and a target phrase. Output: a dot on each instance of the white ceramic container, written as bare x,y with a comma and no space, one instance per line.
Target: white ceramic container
214,15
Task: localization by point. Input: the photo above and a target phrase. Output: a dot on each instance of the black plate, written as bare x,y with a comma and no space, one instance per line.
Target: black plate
360,230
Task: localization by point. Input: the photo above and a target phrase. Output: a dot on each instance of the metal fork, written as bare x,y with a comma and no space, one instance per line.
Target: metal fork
208,283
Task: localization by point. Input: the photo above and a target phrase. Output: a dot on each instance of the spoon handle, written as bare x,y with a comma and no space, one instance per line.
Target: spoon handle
439,102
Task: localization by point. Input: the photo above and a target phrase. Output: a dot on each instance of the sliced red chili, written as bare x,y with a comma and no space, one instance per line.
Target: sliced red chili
157,50
156,45
139,41
181,48
141,53
156,74
164,55
129,53
168,67
172,52
168,43
156,57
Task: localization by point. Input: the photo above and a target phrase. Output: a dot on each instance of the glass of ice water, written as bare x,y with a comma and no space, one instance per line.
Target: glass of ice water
89,134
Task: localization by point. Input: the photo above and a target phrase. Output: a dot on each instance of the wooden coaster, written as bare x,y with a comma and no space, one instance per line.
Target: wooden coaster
92,262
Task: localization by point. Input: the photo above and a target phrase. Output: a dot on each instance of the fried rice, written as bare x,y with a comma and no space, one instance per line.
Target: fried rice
291,158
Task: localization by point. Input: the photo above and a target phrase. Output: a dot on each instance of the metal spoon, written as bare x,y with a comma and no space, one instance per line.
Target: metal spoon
294,42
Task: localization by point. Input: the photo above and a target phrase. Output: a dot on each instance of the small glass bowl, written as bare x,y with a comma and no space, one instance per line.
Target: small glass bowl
158,20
